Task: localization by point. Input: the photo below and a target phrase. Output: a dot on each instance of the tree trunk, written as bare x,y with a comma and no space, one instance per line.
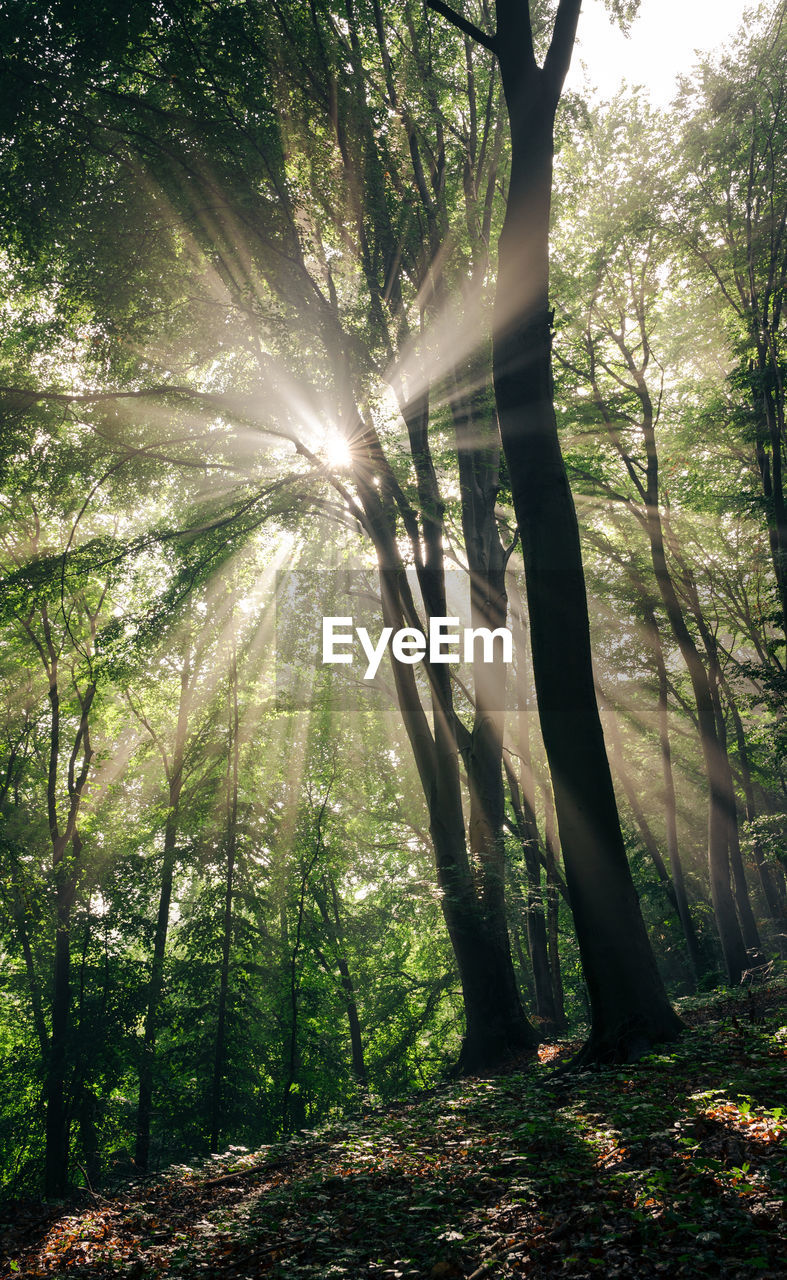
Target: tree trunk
725,783
674,889
66,878
354,1023
17,912
57,1137
617,756
537,945
748,924
226,941
478,453
670,804
630,1009
333,925
145,1100
525,815
553,905
718,817
496,1028
523,960
776,908
769,414
175,781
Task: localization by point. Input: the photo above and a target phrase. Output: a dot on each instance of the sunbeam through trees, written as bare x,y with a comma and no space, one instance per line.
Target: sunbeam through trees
394,552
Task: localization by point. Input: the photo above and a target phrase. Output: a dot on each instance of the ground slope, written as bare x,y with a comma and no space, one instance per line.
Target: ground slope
674,1167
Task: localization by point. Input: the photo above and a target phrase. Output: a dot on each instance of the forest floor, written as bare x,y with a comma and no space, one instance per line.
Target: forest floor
674,1167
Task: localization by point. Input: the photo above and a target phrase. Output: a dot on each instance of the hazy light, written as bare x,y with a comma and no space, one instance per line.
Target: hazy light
663,43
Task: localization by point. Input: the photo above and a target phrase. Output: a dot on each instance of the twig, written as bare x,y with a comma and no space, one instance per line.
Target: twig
238,1173
89,1185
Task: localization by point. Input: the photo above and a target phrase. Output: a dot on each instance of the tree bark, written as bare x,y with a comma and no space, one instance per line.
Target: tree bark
725,783
768,883
630,791
748,924
17,912
525,816
630,1009
525,825
553,905
226,940
670,804
333,925
496,1029
155,986
718,799
478,453
57,1137
66,873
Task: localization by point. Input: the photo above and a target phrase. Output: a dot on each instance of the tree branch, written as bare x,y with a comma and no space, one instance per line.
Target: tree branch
468,28
558,59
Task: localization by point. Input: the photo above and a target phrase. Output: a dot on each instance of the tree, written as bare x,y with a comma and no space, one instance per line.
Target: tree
614,346
59,608
730,219
629,1006
248,314
173,757
242,160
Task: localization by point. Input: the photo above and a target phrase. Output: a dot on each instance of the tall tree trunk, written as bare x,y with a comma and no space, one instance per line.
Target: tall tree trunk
630,1009
353,1021
676,896
670,804
66,851
617,755
293,1112
332,921
748,924
155,985
714,757
17,912
768,883
725,783
57,1138
496,1028
523,959
226,940
553,905
478,452
175,786
527,826
769,443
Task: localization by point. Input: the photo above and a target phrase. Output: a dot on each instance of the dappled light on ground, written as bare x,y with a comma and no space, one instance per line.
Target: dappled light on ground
675,1167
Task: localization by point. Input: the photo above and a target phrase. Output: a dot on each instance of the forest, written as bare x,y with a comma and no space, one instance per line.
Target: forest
349,316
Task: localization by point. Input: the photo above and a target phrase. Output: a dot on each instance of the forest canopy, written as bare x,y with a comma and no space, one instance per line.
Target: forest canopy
349,310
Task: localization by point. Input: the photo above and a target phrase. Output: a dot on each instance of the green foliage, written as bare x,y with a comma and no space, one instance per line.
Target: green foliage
217,246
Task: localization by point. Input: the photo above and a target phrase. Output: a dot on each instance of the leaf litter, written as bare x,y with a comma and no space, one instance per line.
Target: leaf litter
676,1166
